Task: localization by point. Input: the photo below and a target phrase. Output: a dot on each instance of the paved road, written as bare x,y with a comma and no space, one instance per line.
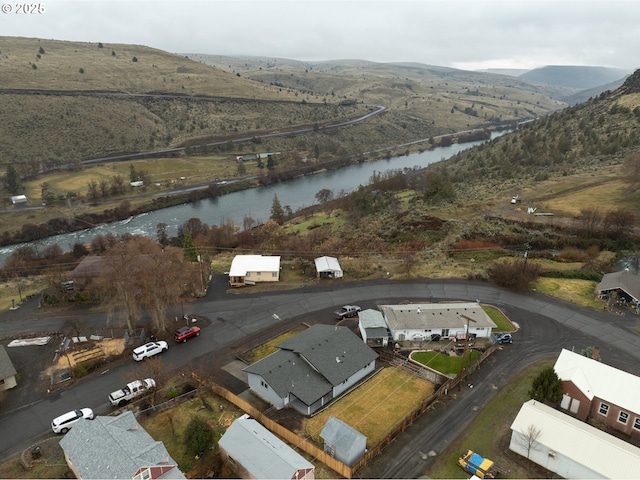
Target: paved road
546,326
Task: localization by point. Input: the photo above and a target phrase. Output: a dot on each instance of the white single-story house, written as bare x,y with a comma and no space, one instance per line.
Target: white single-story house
117,447
417,322
312,368
571,448
255,452
7,371
250,269
373,328
343,442
328,267
19,199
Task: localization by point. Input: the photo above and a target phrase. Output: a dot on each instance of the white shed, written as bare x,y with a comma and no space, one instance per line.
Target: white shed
569,447
328,267
19,199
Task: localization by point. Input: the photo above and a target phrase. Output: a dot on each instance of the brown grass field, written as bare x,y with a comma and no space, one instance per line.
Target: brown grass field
373,408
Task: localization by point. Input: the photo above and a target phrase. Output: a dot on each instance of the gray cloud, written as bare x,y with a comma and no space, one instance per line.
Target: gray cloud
461,34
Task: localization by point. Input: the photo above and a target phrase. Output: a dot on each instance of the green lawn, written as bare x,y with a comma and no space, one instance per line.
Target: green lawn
488,434
444,363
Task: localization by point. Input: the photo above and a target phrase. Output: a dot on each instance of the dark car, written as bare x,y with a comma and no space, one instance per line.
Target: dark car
504,338
185,333
435,337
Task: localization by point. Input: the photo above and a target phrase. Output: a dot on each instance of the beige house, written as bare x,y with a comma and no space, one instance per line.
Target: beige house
251,269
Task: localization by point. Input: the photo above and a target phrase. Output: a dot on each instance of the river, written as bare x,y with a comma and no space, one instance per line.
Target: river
255,203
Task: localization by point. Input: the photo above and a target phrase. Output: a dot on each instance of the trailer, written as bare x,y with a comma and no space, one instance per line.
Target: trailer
479,466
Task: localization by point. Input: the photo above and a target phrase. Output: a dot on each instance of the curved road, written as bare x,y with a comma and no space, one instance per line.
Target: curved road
545,326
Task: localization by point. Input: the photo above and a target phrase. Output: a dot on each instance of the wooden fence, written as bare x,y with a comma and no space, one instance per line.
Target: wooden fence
316,452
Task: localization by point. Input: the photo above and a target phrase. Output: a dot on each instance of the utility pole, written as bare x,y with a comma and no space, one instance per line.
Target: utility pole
464,351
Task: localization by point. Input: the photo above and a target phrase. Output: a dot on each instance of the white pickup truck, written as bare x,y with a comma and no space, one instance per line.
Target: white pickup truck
131,391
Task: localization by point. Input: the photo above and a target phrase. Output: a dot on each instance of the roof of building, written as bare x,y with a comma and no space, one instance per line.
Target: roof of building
6,366
425,316
343,436
327,264
242,264
115,447
622,280
605,454
260,452
311,363
89,266
371,318
596,379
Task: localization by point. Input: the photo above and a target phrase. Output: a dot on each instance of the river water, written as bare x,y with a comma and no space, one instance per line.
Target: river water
255,203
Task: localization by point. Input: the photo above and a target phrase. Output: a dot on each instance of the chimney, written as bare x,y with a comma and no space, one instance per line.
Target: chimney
596,353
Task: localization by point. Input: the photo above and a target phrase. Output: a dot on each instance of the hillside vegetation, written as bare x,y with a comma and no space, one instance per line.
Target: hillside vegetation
70,101
578,166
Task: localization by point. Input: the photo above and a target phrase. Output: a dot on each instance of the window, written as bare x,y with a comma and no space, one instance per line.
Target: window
636,423
604,409
623,417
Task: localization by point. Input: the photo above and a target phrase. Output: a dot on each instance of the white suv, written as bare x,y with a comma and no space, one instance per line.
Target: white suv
149,349
63,423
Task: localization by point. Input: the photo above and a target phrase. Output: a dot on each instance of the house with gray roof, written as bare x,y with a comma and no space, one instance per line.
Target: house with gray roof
312,368
255,452
343,442
7,371
625,285
418,321
373,328
116,447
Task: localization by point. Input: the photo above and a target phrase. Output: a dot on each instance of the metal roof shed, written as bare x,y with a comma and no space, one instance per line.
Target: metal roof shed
260,454
343,442
328,267
569,447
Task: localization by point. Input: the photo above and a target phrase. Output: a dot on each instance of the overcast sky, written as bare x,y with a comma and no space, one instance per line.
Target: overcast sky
471,35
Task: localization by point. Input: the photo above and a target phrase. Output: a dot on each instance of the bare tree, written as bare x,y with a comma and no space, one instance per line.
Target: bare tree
591,219
160,288
529,438
119,277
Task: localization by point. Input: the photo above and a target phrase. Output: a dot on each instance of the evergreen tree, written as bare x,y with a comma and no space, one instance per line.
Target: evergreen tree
12,180
277,212
546,387
198,436
189,247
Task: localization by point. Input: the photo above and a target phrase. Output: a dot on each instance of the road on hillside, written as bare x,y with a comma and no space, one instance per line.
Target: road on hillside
545,326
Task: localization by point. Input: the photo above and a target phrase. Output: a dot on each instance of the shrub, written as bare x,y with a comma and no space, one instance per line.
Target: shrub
198,436
518,275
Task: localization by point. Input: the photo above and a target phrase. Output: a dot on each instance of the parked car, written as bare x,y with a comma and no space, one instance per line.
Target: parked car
185,333
504,338
149,349
63,423
435,337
